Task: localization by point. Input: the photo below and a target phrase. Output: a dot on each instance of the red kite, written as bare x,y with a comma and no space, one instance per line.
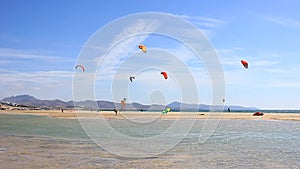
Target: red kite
164,74
245,63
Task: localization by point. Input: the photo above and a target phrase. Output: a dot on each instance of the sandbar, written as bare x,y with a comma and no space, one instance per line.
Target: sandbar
152,115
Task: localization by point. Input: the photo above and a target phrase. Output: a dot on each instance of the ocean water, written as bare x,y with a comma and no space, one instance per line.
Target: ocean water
42,142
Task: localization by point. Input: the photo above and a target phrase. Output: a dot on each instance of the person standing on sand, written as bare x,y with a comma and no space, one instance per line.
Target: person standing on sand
116,111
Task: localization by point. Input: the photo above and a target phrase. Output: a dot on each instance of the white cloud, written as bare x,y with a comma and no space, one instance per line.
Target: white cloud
5,62
284,84
278,70
231,59
284,21
204,22
59,74
41,78
206,25
13,59
41,83
9,38
125,43
34,72
181,64
24,54
264,63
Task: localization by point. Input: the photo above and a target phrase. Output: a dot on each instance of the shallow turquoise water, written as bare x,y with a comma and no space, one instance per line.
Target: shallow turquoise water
36,141
40,126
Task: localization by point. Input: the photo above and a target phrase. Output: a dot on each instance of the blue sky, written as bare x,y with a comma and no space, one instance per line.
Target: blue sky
41,40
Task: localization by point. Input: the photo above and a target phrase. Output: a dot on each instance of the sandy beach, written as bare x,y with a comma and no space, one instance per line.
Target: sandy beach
172,115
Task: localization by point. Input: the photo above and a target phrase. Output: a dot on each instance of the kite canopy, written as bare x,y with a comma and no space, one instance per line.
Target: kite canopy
82,67
131,78
245,63
164,74
223,99
143,48
166,110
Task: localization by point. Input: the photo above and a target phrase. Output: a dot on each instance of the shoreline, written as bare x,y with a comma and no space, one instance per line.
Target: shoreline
68,114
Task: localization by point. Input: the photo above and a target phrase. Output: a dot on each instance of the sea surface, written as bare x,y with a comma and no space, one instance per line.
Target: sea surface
28,141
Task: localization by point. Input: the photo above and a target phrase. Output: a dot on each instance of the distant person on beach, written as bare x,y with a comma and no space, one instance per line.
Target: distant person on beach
116,111
62,110
228,109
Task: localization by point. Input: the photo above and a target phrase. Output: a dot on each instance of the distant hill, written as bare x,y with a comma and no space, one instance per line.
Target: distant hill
188,107
28,100
31,101
20,99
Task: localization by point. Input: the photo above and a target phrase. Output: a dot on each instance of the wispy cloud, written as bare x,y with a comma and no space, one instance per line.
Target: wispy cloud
231,58
266,69
125,43
128,46
45,76
33,60
5,62
283,84
25,54
205,24
265,63
57,84
283,21
9,38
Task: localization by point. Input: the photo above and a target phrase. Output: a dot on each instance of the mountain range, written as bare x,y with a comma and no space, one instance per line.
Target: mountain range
31,101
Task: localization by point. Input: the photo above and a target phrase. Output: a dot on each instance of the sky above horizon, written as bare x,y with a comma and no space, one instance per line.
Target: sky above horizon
40,42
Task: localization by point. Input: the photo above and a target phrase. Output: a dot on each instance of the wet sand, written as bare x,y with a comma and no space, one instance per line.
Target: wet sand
153,115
